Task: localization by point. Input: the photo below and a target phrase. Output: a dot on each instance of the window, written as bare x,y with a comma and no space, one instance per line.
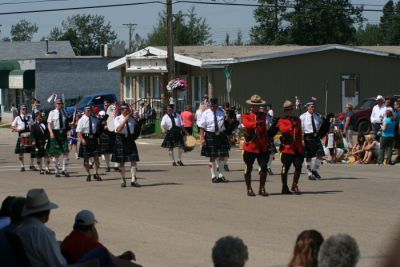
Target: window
155,87
199,89
142,85
130,89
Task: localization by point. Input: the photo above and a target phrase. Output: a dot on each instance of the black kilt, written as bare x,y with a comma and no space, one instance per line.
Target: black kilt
174,138
91,149
125,149
107,142
20,149
313,146
215,146
40,149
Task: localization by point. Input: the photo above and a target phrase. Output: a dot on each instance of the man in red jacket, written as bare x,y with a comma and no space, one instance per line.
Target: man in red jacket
292,147
256,144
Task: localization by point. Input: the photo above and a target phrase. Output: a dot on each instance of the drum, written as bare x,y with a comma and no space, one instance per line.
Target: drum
25,140
190,143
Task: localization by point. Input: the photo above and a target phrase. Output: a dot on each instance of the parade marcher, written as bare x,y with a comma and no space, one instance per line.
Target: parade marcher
57,125
88,130
40,141
107,137
214,142
172,123
72,138
377,116
292,147
125,149
21,124
271,143
256,144
311,123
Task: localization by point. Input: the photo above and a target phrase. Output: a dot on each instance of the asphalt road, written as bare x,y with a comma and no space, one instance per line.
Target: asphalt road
177,215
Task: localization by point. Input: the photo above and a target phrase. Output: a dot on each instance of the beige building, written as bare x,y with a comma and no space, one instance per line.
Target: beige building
334,74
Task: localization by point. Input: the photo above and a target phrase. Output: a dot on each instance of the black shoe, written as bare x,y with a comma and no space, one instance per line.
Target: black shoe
180,163
174,164
223,180
270,171
215,180
218,169
41,172
48,172
316,174
22,169
97,177
65,173
226,168
135,184
311,177
116,169
108,169
33,168
57,174
90,166
88,178
123,184
285,190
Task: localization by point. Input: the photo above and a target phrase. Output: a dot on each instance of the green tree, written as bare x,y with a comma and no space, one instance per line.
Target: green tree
85,32
369,35
227,39
239,38
386,24
23,31
188,29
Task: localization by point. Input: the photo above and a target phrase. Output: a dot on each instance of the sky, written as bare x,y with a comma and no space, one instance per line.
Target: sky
221,19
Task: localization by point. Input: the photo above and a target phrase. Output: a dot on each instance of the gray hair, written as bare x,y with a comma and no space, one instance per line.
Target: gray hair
340,250
229,252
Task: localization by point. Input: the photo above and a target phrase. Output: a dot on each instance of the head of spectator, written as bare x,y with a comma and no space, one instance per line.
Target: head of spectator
379,100
229,252
36,104
340,250
227,106
388,102
396,104
349,106
16,211
85,222
38,205
389,113
370,138
306,249
360,139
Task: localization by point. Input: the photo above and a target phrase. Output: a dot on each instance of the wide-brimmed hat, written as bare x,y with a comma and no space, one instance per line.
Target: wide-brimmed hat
287,104
379,97
36,201
85,218
255,100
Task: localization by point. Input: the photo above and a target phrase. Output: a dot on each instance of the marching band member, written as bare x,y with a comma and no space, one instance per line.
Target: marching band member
21,125
125,149
172,123
57,122
88,132
214,142
40,140
107,138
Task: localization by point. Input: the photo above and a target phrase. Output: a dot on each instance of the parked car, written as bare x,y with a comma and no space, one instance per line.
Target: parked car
362,113
95,100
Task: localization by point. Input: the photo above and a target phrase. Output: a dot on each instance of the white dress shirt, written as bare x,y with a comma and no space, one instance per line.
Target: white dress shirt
83,125
19,124
131,122
166,121
54,119
207,120
198,116
40,244
378,113
306,122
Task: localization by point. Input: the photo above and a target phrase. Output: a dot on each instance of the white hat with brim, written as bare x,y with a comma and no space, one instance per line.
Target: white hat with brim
37,201
379,97
255,100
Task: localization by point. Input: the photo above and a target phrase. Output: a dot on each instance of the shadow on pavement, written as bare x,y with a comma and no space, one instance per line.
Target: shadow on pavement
147,170
310,193
159,184
343,178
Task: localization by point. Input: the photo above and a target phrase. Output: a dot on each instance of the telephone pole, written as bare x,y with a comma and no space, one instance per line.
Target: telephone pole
170,43
131,26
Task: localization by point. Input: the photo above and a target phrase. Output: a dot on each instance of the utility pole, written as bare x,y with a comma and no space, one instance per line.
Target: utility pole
276,17
131,27
170,43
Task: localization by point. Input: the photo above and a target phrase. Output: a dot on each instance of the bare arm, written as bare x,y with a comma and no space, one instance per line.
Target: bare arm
202,138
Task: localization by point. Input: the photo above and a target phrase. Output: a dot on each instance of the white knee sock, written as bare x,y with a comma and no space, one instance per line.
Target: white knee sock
65,162
225,161
221,168
213,167
56,161
180,151
172,155
133,173
32,162
316,165
46,163
21,161
308,166
271,157
107,160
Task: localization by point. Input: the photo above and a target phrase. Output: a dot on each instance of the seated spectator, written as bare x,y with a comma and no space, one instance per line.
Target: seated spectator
5,211
340,250
371,150
229,252
305,253
39,241
83,244
358,151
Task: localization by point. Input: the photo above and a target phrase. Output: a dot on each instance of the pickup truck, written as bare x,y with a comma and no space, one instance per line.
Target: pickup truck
95,100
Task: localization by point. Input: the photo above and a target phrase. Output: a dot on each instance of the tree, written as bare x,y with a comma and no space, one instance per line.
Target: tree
23,31
370,35
85,32
387,23
239,38
227,40
188,29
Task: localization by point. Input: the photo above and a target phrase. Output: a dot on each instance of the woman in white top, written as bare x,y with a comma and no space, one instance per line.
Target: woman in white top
199,111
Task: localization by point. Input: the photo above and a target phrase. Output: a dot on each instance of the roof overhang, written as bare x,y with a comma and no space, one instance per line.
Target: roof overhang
21,79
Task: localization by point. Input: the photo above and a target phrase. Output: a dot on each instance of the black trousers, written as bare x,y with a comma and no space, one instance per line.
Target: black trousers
262,160
289,159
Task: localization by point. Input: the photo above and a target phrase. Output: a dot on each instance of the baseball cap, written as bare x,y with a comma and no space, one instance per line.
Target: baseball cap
85,218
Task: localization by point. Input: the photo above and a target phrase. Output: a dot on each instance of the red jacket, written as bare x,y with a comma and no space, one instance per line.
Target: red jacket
292,135
256,126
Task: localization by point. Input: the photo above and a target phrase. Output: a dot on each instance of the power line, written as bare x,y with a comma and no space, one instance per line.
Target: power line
30,2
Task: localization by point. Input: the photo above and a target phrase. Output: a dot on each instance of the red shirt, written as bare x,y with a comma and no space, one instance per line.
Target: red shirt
285,125
77,244
187,118
256,125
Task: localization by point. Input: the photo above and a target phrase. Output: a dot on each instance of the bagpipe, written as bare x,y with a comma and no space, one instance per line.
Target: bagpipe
326,124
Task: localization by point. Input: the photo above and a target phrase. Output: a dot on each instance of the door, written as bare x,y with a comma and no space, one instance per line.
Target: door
350,89
199,89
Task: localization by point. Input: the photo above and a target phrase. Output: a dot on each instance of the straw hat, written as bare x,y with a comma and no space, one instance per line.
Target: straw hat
36,201
255,100
287,104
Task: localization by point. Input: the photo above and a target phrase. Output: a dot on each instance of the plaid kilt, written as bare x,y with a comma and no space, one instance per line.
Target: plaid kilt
313,146
215,146
107,142
125,149
59,144
174,138
91,149
20,149
40,149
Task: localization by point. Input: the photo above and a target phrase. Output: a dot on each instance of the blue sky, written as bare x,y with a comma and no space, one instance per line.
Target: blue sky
222,19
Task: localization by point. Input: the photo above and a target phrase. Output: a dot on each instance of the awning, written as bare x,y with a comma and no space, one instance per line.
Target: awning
5,67
21,79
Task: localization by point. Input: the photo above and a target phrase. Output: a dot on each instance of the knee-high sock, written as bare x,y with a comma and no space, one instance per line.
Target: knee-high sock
39,163
32,162
96,165
56,161
86,166
107,159
21,160
180,151
271,157
65,162
308,165
122,170
172,155
316,165
221,168
46,162
213,167
133,172
225,161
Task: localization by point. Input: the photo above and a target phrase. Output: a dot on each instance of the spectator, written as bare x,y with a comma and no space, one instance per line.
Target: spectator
39,242
371,150
349,126
387,138
396,114
188,119
14,111
142,110
269,110
229,252
340,250
83,244
377,115
5,211
306,249
358,151
199,111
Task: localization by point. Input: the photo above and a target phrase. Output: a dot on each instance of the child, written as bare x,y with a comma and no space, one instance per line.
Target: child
73,140
331,144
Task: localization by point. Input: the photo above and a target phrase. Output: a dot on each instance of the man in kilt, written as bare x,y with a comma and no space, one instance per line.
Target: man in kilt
21,125
125,149
292,147
88,133
256,144
107,137
40,139
172,123
311,123
215,144
57,123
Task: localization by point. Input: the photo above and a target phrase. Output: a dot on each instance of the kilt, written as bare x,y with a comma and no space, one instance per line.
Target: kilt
91,149
107,142
313,146
59,144
125,149
40,149
20,149
174,138
215,146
